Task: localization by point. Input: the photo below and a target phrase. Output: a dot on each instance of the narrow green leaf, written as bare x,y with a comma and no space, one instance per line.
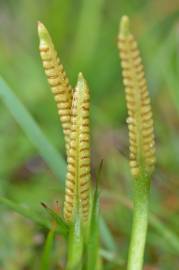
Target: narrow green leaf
93,241
105,233
46,256
32,130
26,212
112,257
62,226
106,236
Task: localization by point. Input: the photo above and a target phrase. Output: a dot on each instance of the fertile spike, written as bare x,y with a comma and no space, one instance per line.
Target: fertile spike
140,120
57,79
78,171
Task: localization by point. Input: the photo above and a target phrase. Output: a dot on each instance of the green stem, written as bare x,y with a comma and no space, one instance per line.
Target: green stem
75,246
140,222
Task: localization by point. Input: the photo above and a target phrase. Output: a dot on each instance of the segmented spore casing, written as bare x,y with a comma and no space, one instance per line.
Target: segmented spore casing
140,120
78,168
57,80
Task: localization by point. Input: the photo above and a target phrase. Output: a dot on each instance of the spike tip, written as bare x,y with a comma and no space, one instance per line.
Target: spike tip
124,26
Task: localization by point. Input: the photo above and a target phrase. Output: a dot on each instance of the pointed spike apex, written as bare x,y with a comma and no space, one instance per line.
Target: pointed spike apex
43,32
39,24
81,82
41,28
80,76
124,26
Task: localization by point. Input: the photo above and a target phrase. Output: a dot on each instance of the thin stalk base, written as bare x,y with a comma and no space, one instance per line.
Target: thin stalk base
140,222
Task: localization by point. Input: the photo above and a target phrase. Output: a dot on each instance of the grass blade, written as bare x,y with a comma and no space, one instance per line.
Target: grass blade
32,130
61,225
46,257
26,212
93,241
106,235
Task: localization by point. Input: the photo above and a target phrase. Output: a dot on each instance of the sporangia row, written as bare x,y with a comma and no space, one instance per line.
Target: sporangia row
140,121
57,80
78,169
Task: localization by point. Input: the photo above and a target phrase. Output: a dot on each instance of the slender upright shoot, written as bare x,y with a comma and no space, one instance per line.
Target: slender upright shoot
76,206
141,137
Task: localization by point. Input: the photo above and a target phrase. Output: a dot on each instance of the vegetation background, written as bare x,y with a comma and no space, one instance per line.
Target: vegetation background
85,35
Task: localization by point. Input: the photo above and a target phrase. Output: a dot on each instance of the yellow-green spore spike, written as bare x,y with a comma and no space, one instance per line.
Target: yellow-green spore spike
140,120
78,168
57,80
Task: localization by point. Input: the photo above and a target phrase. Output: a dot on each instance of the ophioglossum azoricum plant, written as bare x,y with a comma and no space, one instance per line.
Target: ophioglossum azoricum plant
141,138
57,80
73,108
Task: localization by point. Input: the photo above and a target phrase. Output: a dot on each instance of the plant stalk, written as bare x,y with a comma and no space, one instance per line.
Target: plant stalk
75,246
140,222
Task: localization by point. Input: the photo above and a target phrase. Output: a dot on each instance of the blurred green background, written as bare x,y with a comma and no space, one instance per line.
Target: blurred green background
85,35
